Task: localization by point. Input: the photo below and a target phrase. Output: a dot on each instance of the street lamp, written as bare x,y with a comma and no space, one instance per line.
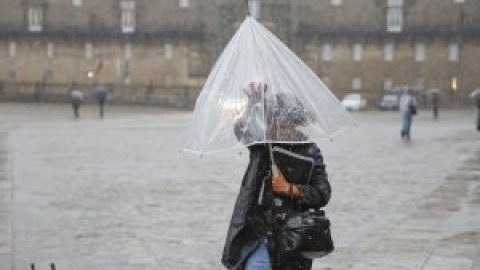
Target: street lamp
454,84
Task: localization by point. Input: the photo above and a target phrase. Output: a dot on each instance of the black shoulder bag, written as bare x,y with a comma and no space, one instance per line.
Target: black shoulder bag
300,232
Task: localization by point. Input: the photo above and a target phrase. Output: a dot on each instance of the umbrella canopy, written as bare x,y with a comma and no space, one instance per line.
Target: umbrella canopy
261,92
99,90
433,91
475,93
401,90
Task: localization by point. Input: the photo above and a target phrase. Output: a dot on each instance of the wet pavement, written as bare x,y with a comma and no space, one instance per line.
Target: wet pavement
118,193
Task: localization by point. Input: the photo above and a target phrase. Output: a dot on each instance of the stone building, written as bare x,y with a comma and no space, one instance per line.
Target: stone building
168,46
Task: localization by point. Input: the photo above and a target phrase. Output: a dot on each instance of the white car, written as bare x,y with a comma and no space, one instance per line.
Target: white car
354,102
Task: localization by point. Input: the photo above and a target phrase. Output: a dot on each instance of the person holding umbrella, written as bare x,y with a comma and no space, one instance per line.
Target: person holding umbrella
100,93
260,97
435,102
250,242
76,98
476,96
408,109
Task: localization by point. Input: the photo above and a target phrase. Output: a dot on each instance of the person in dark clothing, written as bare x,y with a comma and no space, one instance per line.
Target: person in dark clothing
477,99
250,242
100,93
76,97
435,100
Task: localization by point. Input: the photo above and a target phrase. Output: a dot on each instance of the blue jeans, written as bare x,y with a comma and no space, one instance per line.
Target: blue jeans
259,259
407,123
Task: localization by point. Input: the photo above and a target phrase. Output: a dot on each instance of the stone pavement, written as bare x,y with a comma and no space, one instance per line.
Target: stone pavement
117,194
443,233
5,206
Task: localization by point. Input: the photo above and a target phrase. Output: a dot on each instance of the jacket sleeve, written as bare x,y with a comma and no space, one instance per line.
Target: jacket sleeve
317,192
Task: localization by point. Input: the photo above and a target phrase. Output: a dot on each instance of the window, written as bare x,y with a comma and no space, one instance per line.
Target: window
168,51
184,3
357,83
49,49
419,52
453,52
327,52
128,51
336,2
12,49
88,50
458,1
77,3
128,16
254,8
395,16
357,52
388,52
35,19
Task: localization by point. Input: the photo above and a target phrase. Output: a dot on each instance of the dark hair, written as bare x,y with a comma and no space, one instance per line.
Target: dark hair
289,107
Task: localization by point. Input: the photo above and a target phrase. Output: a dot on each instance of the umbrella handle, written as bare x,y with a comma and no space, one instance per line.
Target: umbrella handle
274,165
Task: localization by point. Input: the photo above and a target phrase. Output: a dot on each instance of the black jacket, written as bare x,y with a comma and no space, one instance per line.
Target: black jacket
248,223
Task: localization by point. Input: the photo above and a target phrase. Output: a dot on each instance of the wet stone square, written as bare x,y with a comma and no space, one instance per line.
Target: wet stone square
118,193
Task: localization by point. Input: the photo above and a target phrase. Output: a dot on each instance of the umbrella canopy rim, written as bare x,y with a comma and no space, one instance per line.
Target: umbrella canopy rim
243,146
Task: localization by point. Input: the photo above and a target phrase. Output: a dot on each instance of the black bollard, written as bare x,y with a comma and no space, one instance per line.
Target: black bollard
32,266
52,266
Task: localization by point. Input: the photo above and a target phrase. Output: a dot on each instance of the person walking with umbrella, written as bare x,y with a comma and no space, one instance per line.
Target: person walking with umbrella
434,95
408,108
476,96
262,97
101,94
76,97
478,114
435,101
251,238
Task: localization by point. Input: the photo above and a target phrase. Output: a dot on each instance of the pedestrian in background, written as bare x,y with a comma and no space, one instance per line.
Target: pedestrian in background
100,93
477,99
408,108
149,91
76,97
435,100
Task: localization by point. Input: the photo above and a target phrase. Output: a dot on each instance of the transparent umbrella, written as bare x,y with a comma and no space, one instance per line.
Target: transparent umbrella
475,93
434,91
261,92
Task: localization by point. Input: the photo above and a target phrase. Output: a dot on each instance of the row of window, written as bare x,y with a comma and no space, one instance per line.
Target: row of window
181,3
394,14
326,54
167,50
419,83
128,18
389,53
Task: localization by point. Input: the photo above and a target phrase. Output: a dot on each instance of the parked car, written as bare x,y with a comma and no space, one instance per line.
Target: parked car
389,102
354,102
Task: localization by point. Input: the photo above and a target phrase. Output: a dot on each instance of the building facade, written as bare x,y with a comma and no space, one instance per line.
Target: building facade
150,50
